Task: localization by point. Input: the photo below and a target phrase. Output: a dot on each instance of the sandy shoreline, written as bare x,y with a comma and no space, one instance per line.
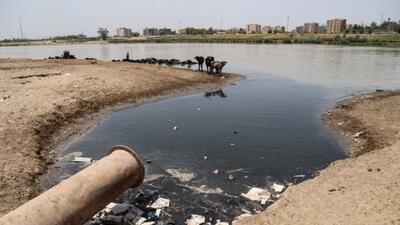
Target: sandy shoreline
61,99
362,189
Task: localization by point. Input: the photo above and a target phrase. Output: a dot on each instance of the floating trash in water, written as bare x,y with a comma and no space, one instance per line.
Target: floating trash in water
299,176
232,144
278,188
231,177
182,175
257,194
196,220
215,172
82,159
205,157
160,203
175,128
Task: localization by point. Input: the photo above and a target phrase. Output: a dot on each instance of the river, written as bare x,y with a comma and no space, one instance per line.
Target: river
262,130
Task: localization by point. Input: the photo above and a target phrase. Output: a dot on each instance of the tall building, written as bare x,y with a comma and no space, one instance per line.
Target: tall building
165,31
253,28
300,29
311,28
336,26
124,32
150,31
266,29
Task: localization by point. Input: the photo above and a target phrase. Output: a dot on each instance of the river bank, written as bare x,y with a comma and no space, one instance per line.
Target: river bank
45,102
362,189
382,40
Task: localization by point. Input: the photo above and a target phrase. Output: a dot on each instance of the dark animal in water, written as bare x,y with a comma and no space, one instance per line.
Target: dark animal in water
209,59
217,66
200,62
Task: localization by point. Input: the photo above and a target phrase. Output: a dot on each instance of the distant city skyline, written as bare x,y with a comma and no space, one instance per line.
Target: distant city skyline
45,18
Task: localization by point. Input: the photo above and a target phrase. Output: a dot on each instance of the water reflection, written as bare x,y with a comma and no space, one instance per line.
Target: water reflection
219,93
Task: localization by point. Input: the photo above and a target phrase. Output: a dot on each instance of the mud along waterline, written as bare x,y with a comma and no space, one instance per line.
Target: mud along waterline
261,130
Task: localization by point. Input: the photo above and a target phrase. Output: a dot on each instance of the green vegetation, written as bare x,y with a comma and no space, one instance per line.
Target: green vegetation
103,33
392,40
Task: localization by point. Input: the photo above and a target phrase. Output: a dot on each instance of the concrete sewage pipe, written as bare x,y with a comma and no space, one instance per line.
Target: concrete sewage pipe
77,199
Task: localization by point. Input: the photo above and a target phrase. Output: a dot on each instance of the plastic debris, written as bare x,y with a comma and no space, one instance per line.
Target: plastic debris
257,194
140,221
205,157
196,220
182,175
221,223
299,176
175,128
149,223
278,188
198,109
160,203
357,135
232,144
231,177
158,213
82,159
215,172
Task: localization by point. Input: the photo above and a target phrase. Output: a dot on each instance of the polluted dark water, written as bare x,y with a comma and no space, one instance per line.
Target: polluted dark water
204,150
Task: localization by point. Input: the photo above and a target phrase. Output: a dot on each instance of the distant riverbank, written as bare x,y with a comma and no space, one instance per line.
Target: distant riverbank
386,40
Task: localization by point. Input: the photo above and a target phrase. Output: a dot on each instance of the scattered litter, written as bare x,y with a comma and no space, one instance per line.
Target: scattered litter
231,177
111,219
120,208
246,211
215,172
221,223
183,176
149,223
232,144
160,203
67,74
82,159
148,161
203,189
196,220
198,109
257,194
205,157
152,216
109,207
357,135
278,188
152,177
141,221
158,213
175,128
237,170
341,123
299,176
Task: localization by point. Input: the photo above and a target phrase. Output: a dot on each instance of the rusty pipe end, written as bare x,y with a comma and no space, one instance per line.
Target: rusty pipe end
136,156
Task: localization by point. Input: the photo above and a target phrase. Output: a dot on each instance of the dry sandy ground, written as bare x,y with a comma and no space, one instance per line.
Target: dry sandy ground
42,102
363,189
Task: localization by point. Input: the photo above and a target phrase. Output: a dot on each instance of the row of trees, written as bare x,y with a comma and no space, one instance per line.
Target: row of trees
387,26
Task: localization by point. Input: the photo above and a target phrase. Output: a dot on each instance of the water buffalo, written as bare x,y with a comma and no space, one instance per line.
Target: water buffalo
217,66
209,59
200,62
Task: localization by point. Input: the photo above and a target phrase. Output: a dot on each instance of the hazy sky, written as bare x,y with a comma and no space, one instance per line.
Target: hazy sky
44,18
